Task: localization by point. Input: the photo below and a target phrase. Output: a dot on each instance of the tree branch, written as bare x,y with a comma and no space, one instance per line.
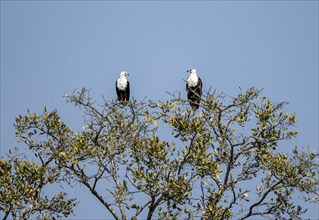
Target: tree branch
7,214
119,188
250,213
230,163
84,179
153,206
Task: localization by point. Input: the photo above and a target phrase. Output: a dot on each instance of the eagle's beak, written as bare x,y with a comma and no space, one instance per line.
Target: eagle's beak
127,74
189,70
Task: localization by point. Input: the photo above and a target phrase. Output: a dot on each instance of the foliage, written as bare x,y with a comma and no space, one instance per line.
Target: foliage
206,169
22,183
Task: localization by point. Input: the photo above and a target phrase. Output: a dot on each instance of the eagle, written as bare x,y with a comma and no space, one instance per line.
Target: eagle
194,87
122,86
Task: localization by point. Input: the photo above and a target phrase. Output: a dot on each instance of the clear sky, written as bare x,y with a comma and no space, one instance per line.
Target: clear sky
52,47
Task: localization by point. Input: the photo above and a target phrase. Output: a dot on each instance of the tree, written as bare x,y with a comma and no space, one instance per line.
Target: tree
207,168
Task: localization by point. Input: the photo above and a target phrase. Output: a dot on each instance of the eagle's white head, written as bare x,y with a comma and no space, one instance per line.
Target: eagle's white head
123,74
191,71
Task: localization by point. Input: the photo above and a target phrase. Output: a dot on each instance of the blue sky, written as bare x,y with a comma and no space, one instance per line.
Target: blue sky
52,47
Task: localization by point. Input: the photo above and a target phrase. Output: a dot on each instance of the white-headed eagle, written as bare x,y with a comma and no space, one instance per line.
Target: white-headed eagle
122,86
194,87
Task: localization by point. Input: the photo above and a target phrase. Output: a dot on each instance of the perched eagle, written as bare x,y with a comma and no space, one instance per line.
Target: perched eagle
194,89
122,86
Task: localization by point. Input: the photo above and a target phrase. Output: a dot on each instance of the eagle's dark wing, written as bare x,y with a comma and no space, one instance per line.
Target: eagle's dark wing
127,91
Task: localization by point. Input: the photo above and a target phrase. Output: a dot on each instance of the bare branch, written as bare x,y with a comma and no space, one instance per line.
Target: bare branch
250,212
